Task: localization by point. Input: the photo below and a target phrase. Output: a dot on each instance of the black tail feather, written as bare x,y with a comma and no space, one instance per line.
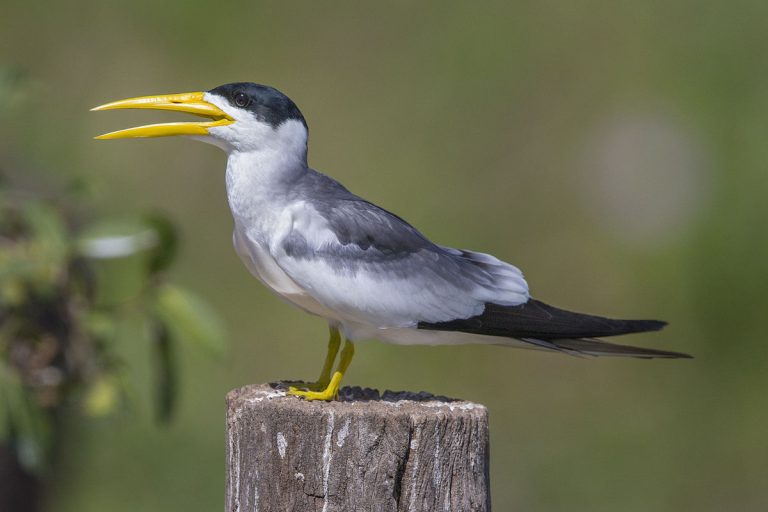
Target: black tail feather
535,319
549,327
593,347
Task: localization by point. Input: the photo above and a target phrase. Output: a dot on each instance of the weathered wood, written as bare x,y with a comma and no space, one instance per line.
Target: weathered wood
365,453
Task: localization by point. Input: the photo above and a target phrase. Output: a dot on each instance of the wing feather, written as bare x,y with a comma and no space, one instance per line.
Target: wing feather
371,266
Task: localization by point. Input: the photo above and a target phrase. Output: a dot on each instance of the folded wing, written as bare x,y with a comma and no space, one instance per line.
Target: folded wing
372,267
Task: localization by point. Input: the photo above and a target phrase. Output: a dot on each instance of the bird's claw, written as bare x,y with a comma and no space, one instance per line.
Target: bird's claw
327,394
300,385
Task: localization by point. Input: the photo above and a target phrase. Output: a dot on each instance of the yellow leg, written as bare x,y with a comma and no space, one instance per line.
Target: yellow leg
331,392
334,342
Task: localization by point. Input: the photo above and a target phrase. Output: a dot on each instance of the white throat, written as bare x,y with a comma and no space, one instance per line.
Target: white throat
262,160
259,179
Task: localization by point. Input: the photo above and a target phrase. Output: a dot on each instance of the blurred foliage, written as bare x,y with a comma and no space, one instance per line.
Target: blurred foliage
483,125
64,288
14,87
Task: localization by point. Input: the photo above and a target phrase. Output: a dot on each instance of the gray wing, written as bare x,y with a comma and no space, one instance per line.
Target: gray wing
371,266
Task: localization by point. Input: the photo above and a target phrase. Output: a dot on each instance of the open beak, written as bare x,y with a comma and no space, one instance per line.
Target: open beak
189,102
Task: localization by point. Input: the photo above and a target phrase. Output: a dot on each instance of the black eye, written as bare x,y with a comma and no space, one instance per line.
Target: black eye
241,99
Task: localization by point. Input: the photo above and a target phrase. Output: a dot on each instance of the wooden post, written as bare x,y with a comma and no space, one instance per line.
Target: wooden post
364,453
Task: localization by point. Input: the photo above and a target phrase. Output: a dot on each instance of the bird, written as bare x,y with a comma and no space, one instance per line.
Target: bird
367,271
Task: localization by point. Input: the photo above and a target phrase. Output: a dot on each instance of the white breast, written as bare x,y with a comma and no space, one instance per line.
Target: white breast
262,265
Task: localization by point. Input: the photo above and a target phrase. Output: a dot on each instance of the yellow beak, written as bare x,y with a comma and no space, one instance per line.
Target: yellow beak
189,102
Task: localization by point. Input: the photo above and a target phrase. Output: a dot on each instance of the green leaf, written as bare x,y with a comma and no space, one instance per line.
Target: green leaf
29,427
49,246
117,238
166,376
117,253
189,318
102,397
12,291
5,415
101,325
34,255
164,252
45,224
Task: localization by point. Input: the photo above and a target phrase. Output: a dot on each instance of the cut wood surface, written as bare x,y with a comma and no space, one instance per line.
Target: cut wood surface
396,451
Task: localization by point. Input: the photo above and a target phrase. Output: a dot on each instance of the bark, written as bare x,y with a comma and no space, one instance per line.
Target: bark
394,452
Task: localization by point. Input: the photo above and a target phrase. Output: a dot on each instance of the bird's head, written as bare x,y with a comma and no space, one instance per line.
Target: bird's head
241,116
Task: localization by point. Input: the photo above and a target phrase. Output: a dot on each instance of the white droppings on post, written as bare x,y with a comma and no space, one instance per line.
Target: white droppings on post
437,472
263,428
234,460
452,406
327,460
414,447
266,396
256,491
282,444
298,476
342,434
467,406
231,463
246,504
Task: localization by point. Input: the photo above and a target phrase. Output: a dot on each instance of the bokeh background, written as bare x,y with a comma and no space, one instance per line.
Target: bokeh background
614,151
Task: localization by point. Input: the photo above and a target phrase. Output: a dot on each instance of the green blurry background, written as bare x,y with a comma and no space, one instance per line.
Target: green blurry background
615,151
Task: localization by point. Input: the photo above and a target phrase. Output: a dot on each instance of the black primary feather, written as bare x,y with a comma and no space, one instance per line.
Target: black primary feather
557,329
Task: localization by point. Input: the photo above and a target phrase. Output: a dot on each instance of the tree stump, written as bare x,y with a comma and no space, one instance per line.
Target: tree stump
365,453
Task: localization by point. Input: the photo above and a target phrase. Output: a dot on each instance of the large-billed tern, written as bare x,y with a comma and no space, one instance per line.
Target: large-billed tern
366,270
